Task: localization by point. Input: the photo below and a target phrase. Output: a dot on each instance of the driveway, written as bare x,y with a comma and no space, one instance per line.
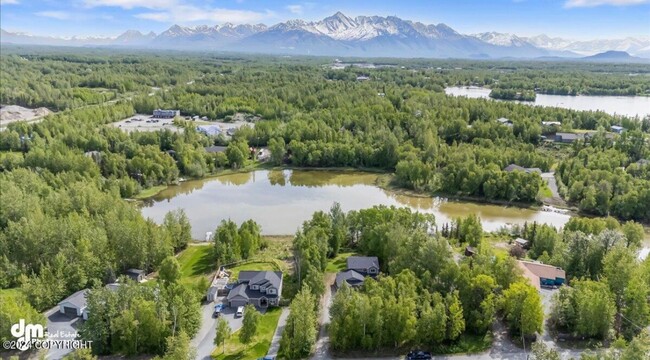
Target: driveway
277,336
204,340
556,199
60,327
322,344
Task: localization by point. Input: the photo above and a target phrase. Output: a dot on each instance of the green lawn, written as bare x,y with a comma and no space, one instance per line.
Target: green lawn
260,344
147,193
544,191
196,264
466,344
338,263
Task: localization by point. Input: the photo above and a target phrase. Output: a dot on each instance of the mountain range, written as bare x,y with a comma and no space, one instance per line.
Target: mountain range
340,35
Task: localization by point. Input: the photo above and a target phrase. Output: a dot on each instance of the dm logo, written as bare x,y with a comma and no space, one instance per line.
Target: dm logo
25,333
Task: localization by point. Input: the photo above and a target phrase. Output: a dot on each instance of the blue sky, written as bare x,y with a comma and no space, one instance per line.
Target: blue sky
579,19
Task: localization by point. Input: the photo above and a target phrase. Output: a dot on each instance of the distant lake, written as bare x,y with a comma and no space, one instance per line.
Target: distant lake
280,200
614,105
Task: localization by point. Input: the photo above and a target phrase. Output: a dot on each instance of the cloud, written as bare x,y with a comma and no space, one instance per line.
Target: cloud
594,3
131,4
295,9
8,2
59,15
190,14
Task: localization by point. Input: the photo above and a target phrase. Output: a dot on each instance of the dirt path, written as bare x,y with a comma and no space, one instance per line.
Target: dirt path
556,199
322,344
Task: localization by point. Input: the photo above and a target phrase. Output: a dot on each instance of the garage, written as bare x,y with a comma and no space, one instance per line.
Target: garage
69,311
237,303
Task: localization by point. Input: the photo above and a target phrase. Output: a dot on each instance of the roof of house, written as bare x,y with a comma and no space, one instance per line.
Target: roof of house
504,120
215,149
570,136
362,262
543,270
135,272
274,278
550,123
77,299
521,241
513,167
349,276
616,127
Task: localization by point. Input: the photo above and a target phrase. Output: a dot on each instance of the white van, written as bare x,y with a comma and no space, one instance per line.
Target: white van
240,311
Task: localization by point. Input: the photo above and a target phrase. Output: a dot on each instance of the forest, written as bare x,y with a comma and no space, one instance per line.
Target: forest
67,221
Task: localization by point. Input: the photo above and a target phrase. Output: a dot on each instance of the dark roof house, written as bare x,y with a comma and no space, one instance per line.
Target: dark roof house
364,265
351,277
514,167
136,274
260,288
568,137
75,305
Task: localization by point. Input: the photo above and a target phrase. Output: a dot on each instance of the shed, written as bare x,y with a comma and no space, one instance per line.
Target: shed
522,243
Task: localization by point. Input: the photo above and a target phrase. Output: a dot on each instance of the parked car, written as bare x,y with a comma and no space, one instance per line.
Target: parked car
240,311
217,310
267,358
419,355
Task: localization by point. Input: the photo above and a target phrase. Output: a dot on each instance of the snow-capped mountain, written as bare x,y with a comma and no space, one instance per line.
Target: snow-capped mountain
342,35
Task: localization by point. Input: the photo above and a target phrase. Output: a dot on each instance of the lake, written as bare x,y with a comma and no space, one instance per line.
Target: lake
614,105
280,200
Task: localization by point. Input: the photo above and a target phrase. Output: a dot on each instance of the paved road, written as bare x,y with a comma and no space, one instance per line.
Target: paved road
282,323
204,339
322,344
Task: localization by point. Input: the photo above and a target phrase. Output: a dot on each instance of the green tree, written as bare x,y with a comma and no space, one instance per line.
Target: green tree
299,335
170,270
523,309
277,149
223,333
249,324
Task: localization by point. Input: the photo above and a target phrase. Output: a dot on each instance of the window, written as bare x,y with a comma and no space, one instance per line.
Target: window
255,287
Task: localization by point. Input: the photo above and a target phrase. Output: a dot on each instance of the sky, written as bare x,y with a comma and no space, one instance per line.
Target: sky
575,19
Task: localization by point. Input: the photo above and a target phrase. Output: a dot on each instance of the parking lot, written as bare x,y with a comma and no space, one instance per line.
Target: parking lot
141,122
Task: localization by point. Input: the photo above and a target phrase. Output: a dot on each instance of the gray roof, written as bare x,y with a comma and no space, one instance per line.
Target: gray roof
521,241
350,276
570,136
504,120
135,272
244,291
513,167
215,149
77,299
362,262
261,278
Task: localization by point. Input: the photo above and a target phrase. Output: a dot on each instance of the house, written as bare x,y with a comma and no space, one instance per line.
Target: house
364,265
136,274
351,277
166,114
514,167
260,288
551,123
541,275
568,138
522,243
209,130
504,121
470,251
617,129
215,149
363,78
75,305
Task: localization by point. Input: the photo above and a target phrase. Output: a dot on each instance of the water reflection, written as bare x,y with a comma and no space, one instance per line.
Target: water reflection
281,200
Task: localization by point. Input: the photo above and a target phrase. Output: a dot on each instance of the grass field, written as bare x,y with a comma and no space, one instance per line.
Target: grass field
258,347
544,191
197,263
146,193
338,263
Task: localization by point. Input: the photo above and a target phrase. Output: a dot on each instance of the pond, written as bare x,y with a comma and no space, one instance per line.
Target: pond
614,105
280,200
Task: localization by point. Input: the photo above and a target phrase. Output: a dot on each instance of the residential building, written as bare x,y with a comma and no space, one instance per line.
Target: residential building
568,138
542,275
522,243
75,305
504,121
617,129
351,277
136,274
363,78
260,288
364,265
514,167
215,149
551,123
166,114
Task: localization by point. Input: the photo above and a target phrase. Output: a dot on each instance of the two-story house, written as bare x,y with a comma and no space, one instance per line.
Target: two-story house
260,288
